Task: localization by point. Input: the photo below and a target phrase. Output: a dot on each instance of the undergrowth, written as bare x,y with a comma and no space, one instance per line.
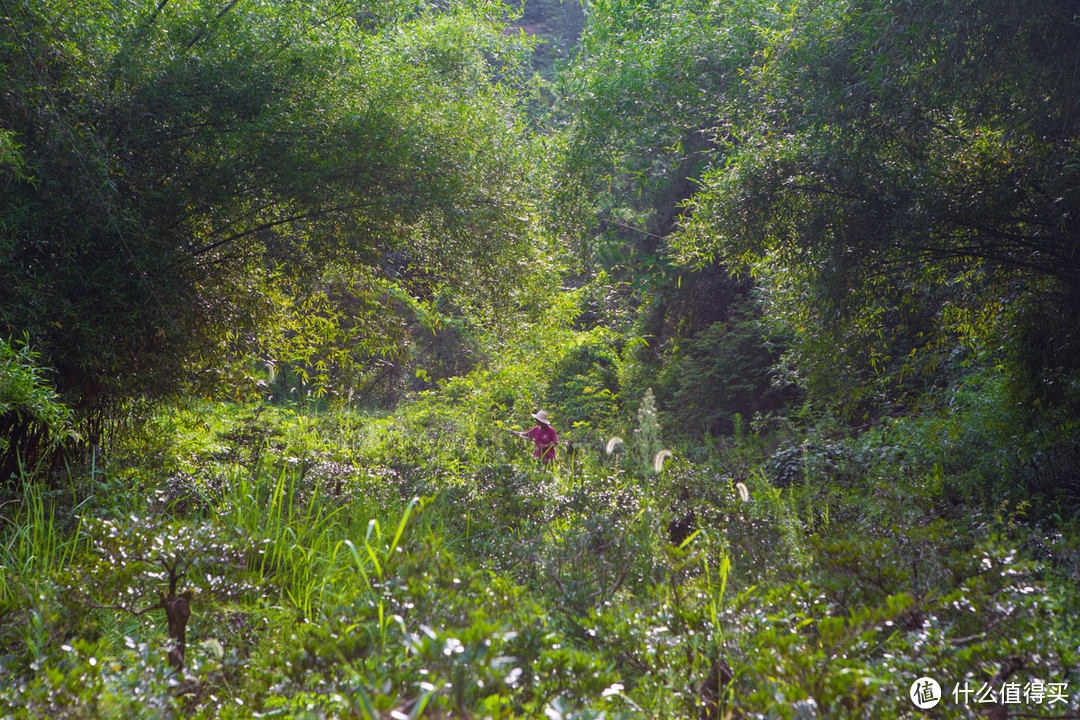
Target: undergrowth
419,564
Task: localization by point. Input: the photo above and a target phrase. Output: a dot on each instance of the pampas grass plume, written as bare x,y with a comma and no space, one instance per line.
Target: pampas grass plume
658,461
614,442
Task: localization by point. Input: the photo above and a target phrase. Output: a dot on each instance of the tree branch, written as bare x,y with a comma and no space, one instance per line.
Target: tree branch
199,35
157,11
121,608
311,214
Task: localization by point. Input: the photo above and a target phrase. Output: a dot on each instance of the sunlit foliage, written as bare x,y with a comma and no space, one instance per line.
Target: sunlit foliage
178,177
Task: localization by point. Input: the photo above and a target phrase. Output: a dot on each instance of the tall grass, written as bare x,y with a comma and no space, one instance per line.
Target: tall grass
302,533
32,545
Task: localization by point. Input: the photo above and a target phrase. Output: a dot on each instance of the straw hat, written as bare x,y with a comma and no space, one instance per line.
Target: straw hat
542,417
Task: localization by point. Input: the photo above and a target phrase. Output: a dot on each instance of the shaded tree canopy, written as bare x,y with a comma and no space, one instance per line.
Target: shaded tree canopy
900,177
904,173
172,172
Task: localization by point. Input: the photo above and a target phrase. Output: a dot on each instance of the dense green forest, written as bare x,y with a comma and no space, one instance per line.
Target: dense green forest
797,282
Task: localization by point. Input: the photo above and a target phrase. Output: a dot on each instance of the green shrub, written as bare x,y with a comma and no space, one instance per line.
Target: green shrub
434,633
584,386
33,420
720,372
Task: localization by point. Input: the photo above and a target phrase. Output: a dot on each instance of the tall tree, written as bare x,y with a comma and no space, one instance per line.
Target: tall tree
644,113
904,175
172,173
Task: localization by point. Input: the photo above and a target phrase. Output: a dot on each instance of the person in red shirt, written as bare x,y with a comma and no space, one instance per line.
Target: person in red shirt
543,437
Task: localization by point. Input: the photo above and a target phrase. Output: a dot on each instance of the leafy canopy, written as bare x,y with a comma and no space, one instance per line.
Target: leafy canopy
905,173
177,176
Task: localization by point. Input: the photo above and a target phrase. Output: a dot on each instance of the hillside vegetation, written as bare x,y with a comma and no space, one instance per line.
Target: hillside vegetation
797,282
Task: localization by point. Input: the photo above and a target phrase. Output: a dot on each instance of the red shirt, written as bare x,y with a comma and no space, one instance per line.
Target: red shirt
546,440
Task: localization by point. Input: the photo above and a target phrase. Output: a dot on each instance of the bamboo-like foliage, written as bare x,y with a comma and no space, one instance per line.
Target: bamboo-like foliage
179,180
